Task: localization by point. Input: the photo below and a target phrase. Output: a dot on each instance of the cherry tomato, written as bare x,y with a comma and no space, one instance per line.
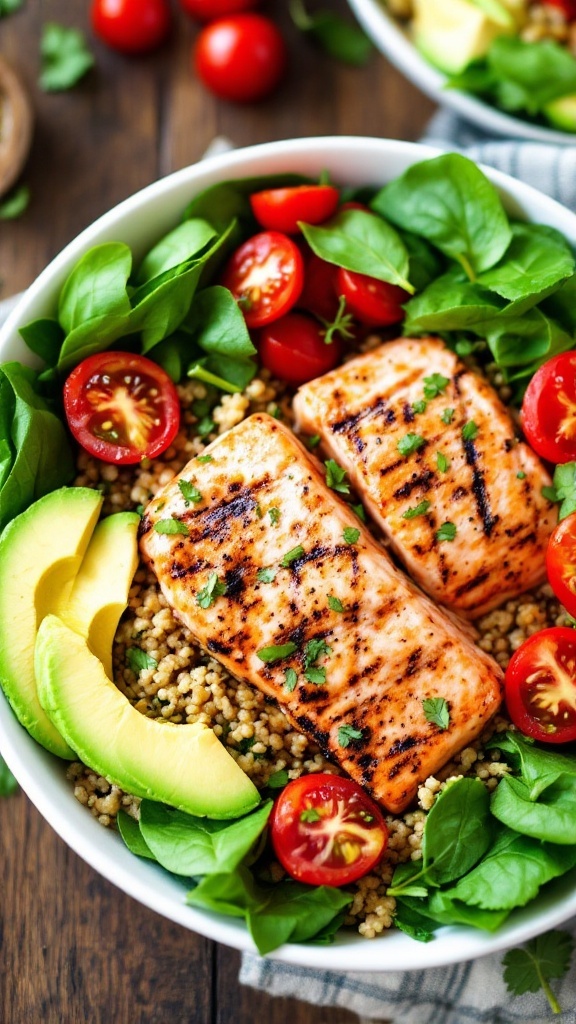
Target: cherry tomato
240,58
326,830
568,7
131,26
265,276
561,562
121,407
319,291
293,349
280,209
374,303
548,413
208,10
541,685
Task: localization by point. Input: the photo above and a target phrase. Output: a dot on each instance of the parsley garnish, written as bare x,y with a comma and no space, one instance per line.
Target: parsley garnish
170,526
447,416
290,680
274,514
442,461
189,492
360,512
521,475
139,660
204,458
410,443
205,426
292,555
309,814
419,406
267,575
276,412
277,651
350,534
336,477
436,711
530,968
435,385
417,510
313,441
469,431
213,589
347,733
446,532
258,510
564,489
315,649
335,604
278,779
316,674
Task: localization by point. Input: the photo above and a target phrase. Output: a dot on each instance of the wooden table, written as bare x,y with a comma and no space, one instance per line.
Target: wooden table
74,949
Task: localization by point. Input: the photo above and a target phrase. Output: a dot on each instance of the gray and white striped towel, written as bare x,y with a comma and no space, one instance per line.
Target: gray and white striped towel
474,992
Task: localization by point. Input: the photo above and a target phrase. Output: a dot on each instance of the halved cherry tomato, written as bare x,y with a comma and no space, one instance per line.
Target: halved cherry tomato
548,413
131,26
121,407
240,58
568,7
208,10
373,302
561,562
541,685
293,349
265,276
319,291
280,209
326,830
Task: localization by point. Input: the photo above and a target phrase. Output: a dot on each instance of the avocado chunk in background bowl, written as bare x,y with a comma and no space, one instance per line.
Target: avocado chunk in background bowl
185,766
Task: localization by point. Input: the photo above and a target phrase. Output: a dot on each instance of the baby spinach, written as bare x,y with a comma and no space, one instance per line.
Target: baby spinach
183,242
551,817
362,242
229,201
537,259
217,327
458,831
450,303
8,784
340,38
521,344
451,203
129,829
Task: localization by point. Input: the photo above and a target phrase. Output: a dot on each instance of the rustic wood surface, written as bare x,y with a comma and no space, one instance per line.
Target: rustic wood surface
74,949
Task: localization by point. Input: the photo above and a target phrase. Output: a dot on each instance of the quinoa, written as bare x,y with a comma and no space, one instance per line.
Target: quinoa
183,684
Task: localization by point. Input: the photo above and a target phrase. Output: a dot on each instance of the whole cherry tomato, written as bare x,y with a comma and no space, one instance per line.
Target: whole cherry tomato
121,407
319,291
208,10
548,413
540,685
240,58
265,275
293,349
280,209
131,26
326,830
561,562
568,7
373,302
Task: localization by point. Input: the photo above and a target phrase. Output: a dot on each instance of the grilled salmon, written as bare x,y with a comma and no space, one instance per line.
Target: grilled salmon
277,578
433,453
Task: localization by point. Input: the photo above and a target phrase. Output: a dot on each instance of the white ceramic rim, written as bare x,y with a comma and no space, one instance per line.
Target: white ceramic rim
393,42
41,776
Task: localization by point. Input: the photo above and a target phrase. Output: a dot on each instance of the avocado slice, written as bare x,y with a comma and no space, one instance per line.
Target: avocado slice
185,766
562,113
452,33
100,591
40,554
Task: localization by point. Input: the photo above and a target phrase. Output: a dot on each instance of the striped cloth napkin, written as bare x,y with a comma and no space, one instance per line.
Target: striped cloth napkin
474,992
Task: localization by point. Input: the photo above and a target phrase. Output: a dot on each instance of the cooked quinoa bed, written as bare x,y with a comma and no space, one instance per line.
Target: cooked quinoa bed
185,685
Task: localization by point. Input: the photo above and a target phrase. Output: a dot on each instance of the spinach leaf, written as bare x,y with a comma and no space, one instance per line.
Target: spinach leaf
561,306
132,836
539,767
450,303
183,243
521,344
535,261
530,75
565,488
9,6
229,201
44,337
551,818
445,910
412,922
450,202
340,38
364,243
15,203
160,305
424,264
190,846
217,325
65,57
458,831
8,784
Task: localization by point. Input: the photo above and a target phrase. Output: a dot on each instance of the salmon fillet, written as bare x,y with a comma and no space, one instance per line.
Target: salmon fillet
427,442
276,577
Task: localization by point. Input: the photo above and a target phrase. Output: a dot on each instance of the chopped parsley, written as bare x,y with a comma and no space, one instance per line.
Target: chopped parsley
189,493
204,458
139,660
313,441
170,526
469,431
140,510
521,475
274,514
417,510
290,679
442,461
292,555
278,779
336,477
310,814
435,385
276,412
549,493
410,443
446,532
258,510
205,426
267,575
316,674
350,534
360,512
419,406
347,733
315,649
213,589
335,604
447,416
436,711
277,651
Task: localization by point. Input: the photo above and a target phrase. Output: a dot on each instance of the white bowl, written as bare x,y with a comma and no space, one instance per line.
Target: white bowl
139,221
394,43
